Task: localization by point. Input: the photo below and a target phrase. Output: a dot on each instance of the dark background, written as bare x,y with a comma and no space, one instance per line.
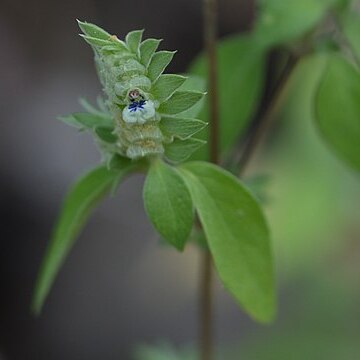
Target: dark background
119,287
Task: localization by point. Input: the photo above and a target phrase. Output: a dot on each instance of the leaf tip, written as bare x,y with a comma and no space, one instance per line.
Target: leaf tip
37,303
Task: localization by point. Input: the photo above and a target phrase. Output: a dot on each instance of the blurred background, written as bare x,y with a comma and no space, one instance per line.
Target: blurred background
119,287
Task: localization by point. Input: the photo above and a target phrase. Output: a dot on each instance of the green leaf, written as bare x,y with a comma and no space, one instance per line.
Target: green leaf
95,41
165,86
338,109
92,109
133,40
118,162
180,101
183,128
168,204
147,49
241,77
93,31
87,120
180,150
106,134
116,46
95,36
284,21
237,234
258,186
198,83
80,201
159,61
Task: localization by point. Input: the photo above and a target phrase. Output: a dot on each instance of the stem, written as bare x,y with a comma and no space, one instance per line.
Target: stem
210,40
265,116
206,293
206,308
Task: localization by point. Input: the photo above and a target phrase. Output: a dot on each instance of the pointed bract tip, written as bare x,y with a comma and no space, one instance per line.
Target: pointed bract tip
80,23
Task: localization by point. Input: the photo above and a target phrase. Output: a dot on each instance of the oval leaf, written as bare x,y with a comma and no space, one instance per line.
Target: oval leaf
282,21
338,109
168,204
237,234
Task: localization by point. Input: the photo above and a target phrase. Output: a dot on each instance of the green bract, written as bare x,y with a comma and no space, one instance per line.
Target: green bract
139,96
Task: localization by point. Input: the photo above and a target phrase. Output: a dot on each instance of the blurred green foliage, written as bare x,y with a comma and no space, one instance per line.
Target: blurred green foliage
312,156
311,196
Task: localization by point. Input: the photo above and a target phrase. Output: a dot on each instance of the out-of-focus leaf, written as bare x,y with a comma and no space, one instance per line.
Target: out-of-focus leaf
304,172
351,27
258,185
87,120
283,21
241,76
91,109
106,134
237,234
338,109
80,201
168,203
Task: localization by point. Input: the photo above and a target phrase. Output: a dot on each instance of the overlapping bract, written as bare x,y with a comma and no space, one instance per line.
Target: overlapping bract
139,96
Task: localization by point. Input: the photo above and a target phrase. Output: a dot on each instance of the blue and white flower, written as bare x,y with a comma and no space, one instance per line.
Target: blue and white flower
139,112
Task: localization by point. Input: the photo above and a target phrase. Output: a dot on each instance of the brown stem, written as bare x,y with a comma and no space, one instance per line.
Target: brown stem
265,116
210,40
206,293
206,308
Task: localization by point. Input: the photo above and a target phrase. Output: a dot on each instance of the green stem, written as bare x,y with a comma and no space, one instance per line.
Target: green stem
206,293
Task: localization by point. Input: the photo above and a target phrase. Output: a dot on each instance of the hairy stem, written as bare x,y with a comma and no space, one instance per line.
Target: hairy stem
206,293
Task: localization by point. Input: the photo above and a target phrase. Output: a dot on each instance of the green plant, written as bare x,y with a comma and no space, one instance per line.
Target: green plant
148,121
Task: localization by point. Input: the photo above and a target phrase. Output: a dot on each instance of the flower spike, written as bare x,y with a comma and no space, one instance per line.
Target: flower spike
138,95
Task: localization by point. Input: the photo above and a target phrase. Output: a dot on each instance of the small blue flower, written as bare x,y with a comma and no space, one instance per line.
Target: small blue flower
139,112
137,105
